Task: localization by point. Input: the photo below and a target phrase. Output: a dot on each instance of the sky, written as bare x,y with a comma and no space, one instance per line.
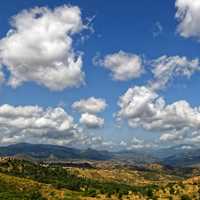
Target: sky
100,74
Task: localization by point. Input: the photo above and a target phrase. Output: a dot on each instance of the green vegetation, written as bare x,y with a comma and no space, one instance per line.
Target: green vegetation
24,180
7,192
60,178
19,189
185,197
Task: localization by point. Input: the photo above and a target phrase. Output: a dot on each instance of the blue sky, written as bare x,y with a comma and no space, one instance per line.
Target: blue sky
133,27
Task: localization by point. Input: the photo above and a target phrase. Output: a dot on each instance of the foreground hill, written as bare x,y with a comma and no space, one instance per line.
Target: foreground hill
24,180
18,188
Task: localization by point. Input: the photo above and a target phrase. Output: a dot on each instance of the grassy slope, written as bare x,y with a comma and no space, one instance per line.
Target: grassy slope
12,187
21,180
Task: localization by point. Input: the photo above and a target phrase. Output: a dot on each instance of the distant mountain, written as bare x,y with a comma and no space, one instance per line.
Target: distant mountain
52,152
186,158
55,153
135,157
163,153
183,155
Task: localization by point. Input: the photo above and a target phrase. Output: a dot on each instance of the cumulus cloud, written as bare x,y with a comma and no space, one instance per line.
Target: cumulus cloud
171,137
91,120
90,105
188,16
39,48
143,107
123,66
38,125
165,68
136,143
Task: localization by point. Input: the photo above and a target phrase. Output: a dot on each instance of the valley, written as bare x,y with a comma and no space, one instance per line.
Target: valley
32,176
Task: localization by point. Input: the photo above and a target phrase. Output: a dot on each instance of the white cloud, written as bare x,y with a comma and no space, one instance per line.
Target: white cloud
136,143
142,107
171,137
188,15
88,108
134,103
91,120
158,29
39,48
2,78
37,125
90,105
166,68
123,66
98,142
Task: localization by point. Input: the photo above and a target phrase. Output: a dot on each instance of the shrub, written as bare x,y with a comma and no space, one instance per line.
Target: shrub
185,197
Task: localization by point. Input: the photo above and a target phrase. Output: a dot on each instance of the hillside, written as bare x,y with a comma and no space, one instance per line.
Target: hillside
47,180
18,188
20,179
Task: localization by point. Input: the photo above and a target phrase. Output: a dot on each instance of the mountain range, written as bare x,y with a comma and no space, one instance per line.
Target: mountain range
181,155
52,152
